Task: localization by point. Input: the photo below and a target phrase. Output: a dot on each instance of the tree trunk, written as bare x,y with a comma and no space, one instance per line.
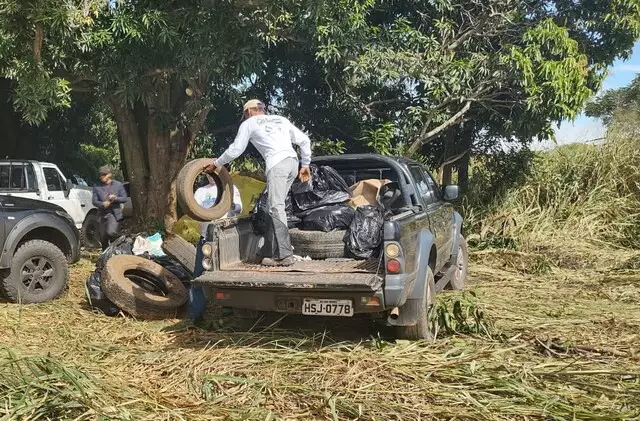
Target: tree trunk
463,172
447,168
155,150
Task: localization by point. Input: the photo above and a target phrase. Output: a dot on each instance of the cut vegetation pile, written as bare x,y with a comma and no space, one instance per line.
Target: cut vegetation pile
558,346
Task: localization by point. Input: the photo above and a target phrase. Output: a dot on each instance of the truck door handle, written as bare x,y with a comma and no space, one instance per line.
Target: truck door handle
82,205
50,197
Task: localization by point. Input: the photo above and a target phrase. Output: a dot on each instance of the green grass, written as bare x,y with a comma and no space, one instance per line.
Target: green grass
559,345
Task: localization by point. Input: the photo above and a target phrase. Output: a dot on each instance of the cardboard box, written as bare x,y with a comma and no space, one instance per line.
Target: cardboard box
366,192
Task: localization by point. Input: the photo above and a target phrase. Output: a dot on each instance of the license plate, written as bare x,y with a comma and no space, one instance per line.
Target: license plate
326,307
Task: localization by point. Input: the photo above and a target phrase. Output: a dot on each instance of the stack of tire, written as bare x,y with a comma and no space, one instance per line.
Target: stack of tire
146,287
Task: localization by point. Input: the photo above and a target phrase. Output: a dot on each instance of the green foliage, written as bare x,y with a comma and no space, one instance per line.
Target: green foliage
378,75
625,100
328,147
460,314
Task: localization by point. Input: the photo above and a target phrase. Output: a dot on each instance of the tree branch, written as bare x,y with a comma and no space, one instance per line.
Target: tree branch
426,137
38,39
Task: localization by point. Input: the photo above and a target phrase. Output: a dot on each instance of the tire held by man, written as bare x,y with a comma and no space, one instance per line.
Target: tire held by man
142,287
184,186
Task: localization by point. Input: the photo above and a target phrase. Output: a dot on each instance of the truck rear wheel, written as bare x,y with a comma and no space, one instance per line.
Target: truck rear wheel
459,278
421,330
318,244
38,273
89,234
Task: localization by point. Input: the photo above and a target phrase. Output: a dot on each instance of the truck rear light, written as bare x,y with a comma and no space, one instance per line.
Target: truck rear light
222,295
392,250
393,266
207,250
207,263
370,301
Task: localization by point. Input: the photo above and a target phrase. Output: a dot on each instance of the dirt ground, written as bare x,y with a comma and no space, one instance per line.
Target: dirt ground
555,344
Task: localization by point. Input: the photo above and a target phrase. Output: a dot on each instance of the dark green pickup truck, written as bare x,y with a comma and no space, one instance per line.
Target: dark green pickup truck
423,252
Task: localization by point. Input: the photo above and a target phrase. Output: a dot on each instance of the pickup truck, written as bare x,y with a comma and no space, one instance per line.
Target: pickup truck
423,251
44,181
37,242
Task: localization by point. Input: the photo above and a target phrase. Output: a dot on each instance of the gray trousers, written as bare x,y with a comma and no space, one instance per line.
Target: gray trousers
108,229
279,181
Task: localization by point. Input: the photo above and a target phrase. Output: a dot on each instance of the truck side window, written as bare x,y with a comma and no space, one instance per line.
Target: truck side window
53,180
433,186
32,184
423,188
4,176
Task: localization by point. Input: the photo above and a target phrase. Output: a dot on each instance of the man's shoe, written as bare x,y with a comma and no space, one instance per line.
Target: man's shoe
268,261
287,261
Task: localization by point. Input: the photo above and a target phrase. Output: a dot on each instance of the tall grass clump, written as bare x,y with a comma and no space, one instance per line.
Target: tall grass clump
586,194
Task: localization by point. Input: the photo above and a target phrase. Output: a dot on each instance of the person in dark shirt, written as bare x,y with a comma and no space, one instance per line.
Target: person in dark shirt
109,197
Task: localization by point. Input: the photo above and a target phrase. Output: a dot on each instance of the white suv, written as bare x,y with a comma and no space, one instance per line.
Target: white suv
44,181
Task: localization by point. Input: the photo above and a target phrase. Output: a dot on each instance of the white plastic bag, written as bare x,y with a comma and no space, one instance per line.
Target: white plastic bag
151,245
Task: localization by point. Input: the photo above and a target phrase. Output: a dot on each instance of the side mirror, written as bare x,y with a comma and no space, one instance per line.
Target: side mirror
69,186
451,193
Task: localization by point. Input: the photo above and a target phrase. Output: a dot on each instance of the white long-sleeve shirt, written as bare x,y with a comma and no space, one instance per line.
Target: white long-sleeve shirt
273,136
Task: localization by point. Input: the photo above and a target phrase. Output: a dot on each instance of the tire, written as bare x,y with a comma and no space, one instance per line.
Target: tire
39,272
89,234
421,330
459,278
318,244
190,207
180,249
142,287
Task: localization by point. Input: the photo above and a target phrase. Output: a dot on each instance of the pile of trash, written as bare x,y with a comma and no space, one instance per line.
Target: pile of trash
327,203
140,249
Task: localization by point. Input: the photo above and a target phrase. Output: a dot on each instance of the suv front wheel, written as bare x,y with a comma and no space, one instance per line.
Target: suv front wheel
38,273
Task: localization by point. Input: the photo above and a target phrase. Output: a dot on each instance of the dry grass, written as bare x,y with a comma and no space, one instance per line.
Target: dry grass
563,345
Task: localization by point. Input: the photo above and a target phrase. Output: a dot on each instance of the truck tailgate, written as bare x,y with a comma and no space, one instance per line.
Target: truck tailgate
317,275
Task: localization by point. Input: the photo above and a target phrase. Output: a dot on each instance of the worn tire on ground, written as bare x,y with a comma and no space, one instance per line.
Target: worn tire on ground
136,300
89,234
318,244
184,187
459,278
39,258
182,250
421,330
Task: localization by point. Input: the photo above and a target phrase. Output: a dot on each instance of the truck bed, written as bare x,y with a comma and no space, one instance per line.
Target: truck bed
314,274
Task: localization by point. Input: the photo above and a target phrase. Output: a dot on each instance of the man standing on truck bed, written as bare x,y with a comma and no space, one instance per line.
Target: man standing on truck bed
274,137
109,197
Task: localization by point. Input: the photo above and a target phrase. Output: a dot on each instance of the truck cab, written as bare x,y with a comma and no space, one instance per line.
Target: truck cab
422,252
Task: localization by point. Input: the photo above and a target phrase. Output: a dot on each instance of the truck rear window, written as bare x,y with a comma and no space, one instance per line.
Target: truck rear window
17,176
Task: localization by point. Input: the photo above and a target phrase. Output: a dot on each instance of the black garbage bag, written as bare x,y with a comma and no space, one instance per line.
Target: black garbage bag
327,187
122,245
261,219
175,267
260,215
365,232
96,298
328,218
